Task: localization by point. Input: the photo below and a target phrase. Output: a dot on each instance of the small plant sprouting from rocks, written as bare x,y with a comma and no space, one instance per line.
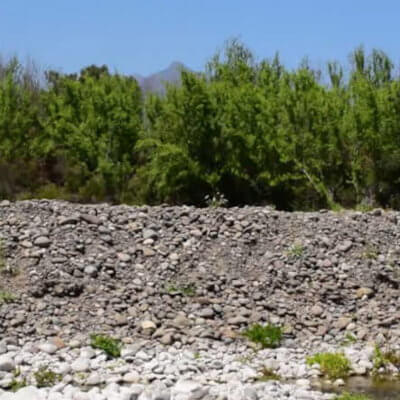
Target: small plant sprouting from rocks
111,346
268,336
16,383
2,258
349,339
268,374
332,365
217,200
185,290
382,359
6,297
297,250
45,377
348,396
370,253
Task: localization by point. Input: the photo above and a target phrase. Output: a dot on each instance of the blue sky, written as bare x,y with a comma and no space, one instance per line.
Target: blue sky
144,36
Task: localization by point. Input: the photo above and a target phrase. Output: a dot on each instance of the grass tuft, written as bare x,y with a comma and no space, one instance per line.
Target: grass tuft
45,377
111,346
332,365
268,336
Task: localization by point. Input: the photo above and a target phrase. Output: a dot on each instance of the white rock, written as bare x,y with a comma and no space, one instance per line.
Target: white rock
7,364
48,348
29,393
80,365
131,377
304,383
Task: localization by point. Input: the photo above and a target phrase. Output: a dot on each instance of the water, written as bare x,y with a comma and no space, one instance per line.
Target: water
376,390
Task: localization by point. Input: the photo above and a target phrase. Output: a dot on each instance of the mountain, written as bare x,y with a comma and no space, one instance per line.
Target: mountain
155,82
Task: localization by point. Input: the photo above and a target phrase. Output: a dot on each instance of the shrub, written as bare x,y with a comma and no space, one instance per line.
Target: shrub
349,339
16,383
185,290
348,396
297,250
45,377
111,346
383,358
268,336
6,297
267,374
332,365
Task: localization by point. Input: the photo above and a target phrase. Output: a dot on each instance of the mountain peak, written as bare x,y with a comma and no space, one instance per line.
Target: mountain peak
156,82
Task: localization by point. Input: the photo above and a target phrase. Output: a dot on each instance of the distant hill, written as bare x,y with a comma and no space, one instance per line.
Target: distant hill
155,82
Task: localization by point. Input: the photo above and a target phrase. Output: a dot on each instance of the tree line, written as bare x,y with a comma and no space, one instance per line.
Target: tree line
253,132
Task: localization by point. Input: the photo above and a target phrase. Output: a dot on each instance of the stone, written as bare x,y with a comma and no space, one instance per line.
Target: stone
342,323
7,364
345,246
148,325
364,291
42,241
80,365
94,379
28,393
317,311
131,377
48,348
124,257
167,339
90,219
149,234
206,313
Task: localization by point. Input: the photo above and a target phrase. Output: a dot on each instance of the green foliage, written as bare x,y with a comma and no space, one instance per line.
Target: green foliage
297,250
332,365
188,290
348,396
6,297
349,339
241,132
218,200
45,377
382,359
268,336
17,382
111,346
267,374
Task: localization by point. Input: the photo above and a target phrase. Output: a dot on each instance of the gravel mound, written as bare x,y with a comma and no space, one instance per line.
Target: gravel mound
181,273
174,281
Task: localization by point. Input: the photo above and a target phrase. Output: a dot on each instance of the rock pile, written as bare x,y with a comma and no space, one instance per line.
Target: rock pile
174,281
181,273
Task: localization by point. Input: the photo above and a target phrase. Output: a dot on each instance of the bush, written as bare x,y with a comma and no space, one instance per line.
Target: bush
348,396
112,347
332,365
267,374
383,358
45,377
268,336
6,297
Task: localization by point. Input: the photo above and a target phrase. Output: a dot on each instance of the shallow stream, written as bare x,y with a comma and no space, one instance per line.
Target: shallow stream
376,390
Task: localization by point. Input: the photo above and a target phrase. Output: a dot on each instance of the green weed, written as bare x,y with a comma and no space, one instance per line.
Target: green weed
185,290
349,339
348,396
297,250
332,365
111,346
6,297
267,374
268,336
45,377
